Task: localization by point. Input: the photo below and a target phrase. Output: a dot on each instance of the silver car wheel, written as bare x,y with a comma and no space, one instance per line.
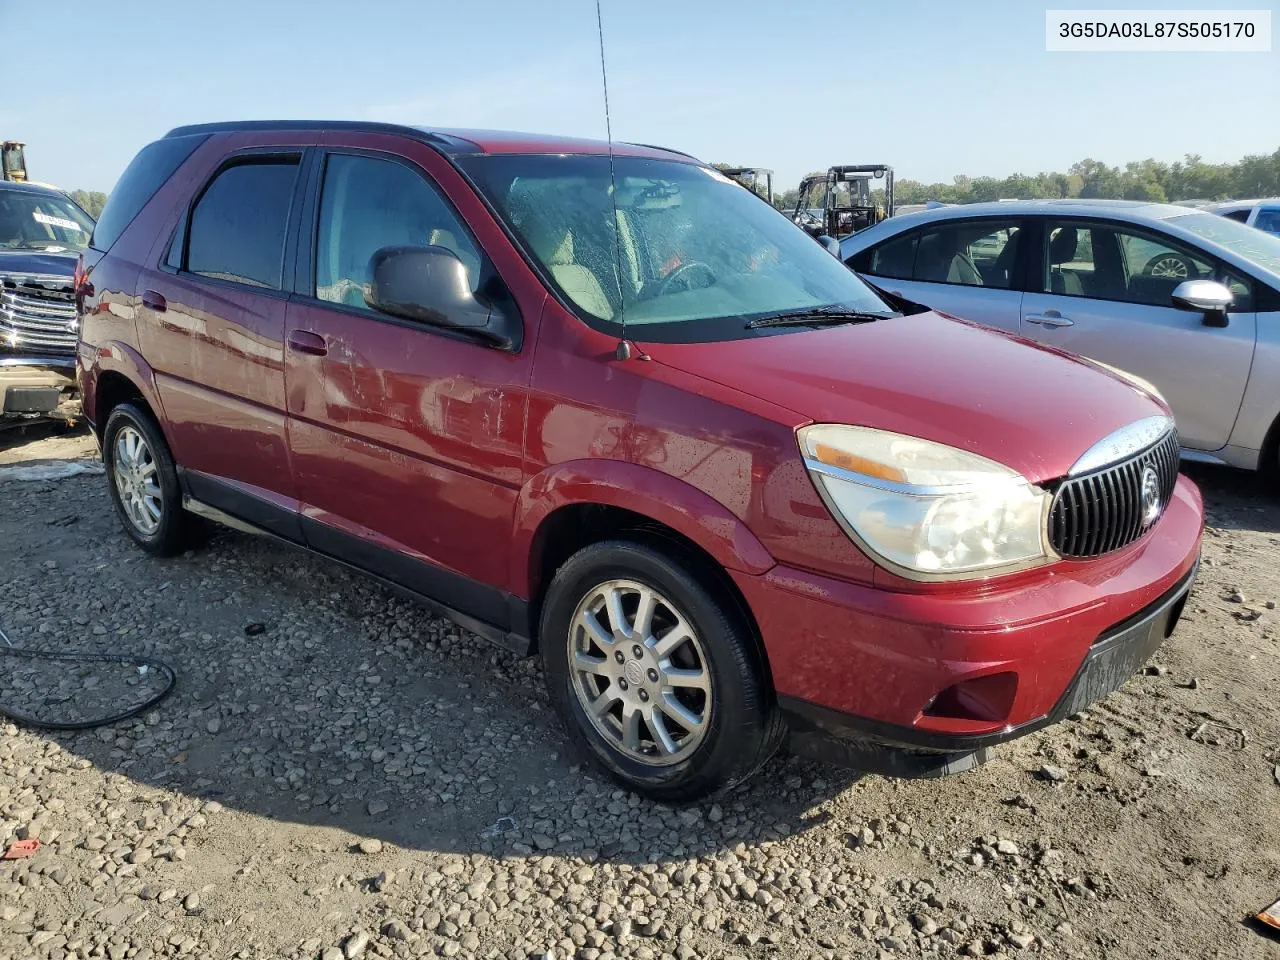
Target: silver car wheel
1170,265
136,481
640,672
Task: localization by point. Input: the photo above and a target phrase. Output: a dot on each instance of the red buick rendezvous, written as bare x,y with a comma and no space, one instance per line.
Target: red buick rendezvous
620,412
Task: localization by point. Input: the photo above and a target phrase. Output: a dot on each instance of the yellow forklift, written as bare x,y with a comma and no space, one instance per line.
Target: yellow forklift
13,166
839,202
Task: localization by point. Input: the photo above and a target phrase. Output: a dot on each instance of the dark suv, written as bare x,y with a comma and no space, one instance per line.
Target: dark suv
614,409
42,233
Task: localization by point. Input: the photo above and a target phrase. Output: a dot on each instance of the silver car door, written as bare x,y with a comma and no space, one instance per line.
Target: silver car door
961,267
1105,293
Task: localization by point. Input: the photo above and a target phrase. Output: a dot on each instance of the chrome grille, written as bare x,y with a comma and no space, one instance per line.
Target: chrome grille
1103,510
38,314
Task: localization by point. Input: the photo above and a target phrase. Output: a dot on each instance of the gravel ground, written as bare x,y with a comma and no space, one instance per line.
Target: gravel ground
339,774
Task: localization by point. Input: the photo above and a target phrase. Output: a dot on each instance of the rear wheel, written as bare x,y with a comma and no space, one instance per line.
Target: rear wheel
143,483
656,677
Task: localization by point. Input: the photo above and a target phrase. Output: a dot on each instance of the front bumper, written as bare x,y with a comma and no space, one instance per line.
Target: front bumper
38,387
924,683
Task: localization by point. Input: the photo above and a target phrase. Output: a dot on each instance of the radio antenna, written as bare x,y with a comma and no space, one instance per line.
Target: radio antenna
624,348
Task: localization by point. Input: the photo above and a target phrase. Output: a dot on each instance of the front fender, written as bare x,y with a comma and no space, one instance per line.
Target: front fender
115,357
655,495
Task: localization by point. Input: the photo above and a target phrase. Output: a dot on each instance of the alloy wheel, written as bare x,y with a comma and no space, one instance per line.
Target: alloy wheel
640,672
137,482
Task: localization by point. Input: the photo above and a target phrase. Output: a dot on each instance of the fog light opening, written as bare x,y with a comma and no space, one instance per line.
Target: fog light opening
986,699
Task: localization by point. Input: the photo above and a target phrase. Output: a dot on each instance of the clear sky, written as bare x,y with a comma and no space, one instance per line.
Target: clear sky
933,88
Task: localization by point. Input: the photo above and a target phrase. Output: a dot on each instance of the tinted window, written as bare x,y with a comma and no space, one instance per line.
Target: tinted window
1241,216
974,254
1268,220
894,259
238,226
1090,260
367,204
148,172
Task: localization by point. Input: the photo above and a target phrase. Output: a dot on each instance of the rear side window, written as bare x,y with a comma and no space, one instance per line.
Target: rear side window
1240,216
239,224
1268,220
895,258
972,254
146,174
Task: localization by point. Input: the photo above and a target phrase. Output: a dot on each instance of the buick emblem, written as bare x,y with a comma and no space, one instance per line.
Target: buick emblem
1151,504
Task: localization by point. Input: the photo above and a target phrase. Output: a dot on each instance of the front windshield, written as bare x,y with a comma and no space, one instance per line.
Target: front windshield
1256,245
698,255
42,221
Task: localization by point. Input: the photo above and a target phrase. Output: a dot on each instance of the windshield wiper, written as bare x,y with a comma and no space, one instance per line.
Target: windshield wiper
823,315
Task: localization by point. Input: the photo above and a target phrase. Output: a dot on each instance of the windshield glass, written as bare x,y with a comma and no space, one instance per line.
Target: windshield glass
42,221
1256,245
698,254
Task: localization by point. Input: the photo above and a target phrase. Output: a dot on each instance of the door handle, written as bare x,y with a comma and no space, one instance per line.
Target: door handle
154,301
304,341
1050,318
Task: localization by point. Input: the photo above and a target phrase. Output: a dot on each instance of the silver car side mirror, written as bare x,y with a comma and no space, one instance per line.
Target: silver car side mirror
1204,296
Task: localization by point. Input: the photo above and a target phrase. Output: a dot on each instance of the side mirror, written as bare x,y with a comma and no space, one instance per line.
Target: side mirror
830,244
427,284
1204,296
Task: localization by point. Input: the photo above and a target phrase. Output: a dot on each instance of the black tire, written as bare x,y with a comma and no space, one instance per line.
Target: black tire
177,530
745,728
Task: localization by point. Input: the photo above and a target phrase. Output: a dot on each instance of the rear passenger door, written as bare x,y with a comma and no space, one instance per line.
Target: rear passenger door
211,324
968,268
1104,291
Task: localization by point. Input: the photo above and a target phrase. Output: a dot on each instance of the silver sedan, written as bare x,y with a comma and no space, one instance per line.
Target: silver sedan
1178,298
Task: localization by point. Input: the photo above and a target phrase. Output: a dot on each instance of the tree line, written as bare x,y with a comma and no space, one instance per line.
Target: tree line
91,201
1188,179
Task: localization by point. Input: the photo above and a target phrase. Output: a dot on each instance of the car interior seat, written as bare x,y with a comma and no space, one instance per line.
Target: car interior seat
553,245
1062,250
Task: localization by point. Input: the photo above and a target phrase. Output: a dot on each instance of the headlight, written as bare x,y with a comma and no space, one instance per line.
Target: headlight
926,510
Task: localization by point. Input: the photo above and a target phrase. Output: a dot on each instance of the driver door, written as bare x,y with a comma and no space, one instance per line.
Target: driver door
405,438
1104,291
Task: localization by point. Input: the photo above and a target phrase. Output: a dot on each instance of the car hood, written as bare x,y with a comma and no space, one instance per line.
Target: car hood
38,262
1028,407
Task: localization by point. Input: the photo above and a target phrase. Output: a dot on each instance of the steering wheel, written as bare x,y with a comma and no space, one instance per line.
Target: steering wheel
682,272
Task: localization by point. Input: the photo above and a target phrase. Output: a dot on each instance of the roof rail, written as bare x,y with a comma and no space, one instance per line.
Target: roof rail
364,126
654,146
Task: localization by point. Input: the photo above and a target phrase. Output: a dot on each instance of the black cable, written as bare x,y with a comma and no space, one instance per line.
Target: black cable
165,671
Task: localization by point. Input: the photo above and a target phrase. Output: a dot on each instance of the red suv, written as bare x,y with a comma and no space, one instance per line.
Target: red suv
617,410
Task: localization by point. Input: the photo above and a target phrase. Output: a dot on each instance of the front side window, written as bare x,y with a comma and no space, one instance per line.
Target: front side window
366,204
42,221
239,224
1113,263
684,255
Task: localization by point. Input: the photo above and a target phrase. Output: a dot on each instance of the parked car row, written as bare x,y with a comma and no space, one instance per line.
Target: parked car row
1184,299
42,233
600,403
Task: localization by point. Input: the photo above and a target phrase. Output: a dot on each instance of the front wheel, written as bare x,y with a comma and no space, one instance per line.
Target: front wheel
657,678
